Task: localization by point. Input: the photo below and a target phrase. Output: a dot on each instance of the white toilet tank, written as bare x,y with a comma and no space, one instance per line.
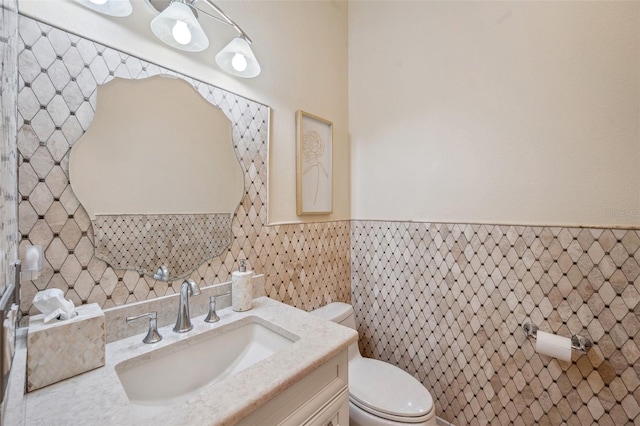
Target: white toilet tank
343,314
339,312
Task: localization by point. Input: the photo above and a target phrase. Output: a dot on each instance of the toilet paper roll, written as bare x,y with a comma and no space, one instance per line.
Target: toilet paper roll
554,346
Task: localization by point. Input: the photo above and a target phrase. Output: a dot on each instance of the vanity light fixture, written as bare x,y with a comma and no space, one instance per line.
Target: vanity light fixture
236,58
177,25
119,8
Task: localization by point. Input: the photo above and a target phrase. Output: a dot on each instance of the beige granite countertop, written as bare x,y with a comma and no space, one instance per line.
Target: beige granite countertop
97,397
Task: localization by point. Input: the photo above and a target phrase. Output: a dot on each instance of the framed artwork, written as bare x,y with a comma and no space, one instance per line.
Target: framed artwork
314,164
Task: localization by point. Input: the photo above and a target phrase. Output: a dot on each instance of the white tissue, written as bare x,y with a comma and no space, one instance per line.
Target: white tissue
553,346
52,304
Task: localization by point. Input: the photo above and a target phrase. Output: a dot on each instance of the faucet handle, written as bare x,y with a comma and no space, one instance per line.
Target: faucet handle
212,316
152,335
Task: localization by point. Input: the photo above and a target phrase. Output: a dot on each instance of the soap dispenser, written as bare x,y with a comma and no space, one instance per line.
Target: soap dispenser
241,288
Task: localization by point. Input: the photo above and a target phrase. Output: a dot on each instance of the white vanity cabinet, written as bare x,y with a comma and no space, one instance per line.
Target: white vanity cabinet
321,398
302,383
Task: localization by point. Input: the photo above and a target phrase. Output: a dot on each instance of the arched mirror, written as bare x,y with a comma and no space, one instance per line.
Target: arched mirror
158,175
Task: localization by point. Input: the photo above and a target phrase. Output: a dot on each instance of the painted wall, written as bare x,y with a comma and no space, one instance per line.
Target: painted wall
302,48
183,165
495,112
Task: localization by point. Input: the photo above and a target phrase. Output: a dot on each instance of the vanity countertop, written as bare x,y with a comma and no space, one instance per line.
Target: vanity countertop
97,397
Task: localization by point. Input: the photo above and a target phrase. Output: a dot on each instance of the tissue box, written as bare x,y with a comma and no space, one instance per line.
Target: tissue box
62,349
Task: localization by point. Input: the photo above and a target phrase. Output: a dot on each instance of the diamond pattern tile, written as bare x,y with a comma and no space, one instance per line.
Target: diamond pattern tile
8,133
305,265
445,302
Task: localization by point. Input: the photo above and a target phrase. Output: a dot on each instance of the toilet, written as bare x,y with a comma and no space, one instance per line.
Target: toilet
379,393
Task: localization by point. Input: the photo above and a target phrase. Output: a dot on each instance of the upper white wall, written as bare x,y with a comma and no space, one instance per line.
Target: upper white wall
301,46
495,112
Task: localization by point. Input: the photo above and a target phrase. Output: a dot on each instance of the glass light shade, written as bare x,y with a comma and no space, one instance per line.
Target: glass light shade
119,8
238,55
186,35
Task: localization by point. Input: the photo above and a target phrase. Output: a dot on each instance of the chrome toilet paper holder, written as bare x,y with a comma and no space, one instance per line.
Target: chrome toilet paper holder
578,343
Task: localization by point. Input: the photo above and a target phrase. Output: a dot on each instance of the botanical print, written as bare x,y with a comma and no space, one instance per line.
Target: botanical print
312,149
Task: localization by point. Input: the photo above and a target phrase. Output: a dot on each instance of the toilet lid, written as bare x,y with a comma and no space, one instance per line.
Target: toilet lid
382,388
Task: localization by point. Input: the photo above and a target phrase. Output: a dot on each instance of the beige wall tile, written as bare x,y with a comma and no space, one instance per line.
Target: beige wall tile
580,288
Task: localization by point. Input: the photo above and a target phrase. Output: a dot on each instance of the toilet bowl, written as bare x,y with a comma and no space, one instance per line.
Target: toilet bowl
379,393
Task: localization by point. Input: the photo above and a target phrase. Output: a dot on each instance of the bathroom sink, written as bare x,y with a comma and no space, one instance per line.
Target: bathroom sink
178,371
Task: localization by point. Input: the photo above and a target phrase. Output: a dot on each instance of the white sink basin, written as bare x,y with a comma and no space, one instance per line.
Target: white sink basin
176,372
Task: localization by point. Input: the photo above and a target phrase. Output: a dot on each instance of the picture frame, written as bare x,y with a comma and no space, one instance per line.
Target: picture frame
314,155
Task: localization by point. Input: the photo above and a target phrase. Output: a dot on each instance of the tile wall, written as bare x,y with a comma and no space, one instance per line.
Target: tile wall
8,129
304,265
446,303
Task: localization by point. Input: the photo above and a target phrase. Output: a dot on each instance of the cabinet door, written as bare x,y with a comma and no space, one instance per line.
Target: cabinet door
335,413
303,401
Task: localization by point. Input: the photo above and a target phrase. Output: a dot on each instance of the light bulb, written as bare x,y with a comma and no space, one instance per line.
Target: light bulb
98,1
239,62
181,33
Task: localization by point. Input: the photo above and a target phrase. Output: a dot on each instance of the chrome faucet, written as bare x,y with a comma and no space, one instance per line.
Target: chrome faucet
183,323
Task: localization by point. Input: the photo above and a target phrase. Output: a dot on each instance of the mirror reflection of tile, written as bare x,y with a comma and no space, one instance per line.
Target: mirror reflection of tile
180,242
